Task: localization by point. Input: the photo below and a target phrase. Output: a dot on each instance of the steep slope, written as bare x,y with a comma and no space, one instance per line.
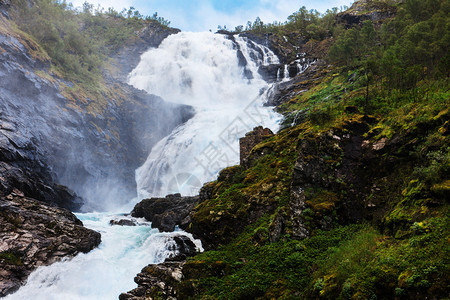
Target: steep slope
351,199
91,143
55,130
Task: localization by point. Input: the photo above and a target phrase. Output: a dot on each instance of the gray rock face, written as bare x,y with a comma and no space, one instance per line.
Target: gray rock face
4,5
166,213
33,234
62,140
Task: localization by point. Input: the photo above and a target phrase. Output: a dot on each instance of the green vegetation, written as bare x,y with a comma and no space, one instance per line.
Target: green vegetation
10,258
385,85
349,262
79,42
311,23
393,74
263,186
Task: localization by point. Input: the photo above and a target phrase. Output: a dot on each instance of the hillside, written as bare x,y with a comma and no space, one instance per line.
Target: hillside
350,199
65,103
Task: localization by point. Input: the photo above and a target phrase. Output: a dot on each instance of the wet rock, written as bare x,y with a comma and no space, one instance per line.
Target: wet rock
184,248
123,222
156,281
4,6
161,280
166,213
33,234
270,72
297,85
22,169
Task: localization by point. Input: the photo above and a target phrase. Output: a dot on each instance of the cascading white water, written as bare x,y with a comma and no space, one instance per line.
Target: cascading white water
286,73
206,71
105,272
200,69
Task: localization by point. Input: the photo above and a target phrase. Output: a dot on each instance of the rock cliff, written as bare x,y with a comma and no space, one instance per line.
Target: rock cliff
92,146
60,147
33,234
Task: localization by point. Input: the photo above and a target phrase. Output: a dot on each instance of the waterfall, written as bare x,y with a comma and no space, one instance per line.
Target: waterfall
219,77
286,72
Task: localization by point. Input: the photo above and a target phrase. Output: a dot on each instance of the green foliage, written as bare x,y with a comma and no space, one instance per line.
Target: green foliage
277,270
437,167
79,41
371,264
310,23
405,50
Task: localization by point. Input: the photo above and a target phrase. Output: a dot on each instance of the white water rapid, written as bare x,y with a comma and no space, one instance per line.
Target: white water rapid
106,271
219,78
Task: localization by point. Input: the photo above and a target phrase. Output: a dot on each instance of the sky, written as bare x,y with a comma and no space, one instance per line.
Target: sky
204,15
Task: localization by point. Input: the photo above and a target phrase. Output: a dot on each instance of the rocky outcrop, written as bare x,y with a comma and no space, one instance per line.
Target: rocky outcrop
33,234
21,168
166,213
250,140
161,280
156,280
302,83
127,57
92,146
338,176
363,10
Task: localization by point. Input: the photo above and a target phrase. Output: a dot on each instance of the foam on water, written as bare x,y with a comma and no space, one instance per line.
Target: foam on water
106,271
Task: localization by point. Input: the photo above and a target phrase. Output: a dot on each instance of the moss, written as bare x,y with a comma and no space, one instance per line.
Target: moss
442,189
11,258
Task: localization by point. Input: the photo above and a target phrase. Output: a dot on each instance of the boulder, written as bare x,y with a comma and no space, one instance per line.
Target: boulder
123,222
252,139
166,213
